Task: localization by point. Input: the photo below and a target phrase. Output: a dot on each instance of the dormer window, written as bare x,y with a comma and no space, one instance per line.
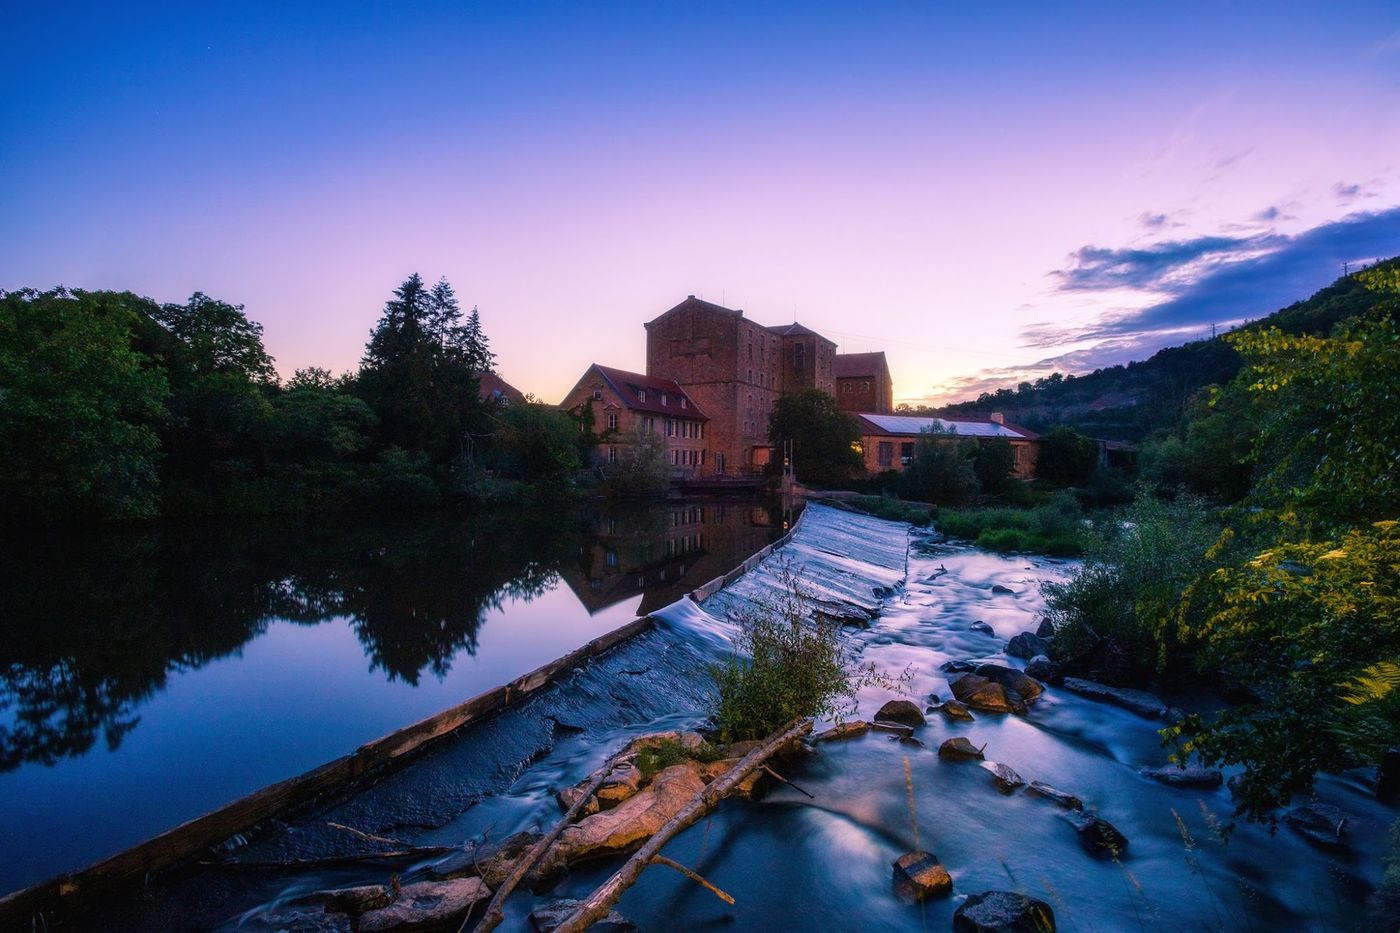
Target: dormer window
642,395
684,403
664,399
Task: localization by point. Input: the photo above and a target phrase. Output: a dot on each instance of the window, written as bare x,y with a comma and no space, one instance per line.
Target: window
670,428
906,452
664,399
598,394
685,403
612,454
865,386
886,453
699,430
612,422
641,395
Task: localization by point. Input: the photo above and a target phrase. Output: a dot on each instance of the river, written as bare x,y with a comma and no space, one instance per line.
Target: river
149,676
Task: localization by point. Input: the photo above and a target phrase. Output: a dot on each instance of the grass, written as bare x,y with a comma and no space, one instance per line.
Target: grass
1054,527
892,509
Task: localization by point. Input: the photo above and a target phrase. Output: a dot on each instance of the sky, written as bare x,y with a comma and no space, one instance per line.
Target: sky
987,192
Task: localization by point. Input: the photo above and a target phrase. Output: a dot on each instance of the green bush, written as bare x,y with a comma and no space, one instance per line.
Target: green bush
892,509
1053,527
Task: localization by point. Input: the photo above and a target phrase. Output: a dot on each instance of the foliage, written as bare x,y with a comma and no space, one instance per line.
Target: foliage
789,662
81,408
1211,452
652,759
893,509
1386,909
1067,458
642,467
1053,527
217,337
993,461
825,439
535,443
941,471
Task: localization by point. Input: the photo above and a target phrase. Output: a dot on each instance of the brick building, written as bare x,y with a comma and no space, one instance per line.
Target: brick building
863,383
890,441
621,406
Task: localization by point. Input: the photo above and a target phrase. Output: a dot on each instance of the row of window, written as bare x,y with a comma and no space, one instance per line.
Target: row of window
849,385
674,427
687,457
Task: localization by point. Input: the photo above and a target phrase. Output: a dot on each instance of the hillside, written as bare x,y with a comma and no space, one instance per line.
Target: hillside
1128,402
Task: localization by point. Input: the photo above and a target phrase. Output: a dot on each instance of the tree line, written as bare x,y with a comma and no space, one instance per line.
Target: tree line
116,407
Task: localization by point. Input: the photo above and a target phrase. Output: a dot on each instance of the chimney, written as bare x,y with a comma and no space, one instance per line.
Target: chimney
998,418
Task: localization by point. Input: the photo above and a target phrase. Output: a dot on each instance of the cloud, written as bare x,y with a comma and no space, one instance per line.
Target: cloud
1272,212
1151,268
1345,192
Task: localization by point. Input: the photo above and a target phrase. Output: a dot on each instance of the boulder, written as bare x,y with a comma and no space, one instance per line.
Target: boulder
1025,686
843,730
551,916
919,876
900,730
1194,776
900,711
1005,777
426,905
985,694
1046,629
980,626
1027,645
491,862
1003,912
959,749
1001,590
1319,823
632,821
624,781
958,667
568,795
353,901
1145,704
955,709
1061,798
1042,668
1097,835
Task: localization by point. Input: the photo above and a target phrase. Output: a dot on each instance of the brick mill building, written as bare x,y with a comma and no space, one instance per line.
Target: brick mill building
620,406
890,441
863,383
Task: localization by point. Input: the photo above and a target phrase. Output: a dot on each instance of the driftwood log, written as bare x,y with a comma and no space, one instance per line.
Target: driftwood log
596,905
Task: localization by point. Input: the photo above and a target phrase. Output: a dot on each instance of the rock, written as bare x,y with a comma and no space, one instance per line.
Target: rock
1141,702
1046,629
551,916
900,730
1025,686
690,741
843,730
1042,668
958,667
959,748
1003,912
1061,798
624,781
1027,645
491,862
426,905
1194,776
353,901
985,694
1388,776
1319,823
900,711
1005,777
918,876
955,709
980,626
1000,590
635,819
568,795
1097,835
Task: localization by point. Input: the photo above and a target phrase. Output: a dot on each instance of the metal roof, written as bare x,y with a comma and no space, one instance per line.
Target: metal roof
912,424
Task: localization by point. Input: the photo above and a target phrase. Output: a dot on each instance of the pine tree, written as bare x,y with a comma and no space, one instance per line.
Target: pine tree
476,345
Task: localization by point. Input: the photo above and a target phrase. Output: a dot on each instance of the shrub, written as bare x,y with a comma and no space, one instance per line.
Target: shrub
1053,527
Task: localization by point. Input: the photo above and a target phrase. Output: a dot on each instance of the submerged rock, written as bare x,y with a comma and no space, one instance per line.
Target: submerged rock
985,694
551,916
900,730
1141,702
1194,775
900,711
1027,645
1097,835
1319,823
980,626
353,901
958,667
959,749
956,709
1005,777
1003,912
427,905
843,730
1001,590
1061,798
1042,668
1046,629
919,876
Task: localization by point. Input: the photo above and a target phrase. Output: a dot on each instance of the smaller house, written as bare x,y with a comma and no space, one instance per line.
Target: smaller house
889,441
492,388
623,406
863,383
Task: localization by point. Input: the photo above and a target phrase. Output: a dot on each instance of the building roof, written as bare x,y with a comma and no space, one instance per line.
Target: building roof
492,387
913,425
855,365
631,386
792,330
697,304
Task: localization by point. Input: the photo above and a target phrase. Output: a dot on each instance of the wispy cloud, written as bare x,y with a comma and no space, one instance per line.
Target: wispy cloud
1159,267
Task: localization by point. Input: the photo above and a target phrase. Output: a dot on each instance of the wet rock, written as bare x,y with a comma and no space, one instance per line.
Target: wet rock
1319,823
958,667
292,919
353,901
426,905
956,710
843,730
900,730
1046,629
918,876
635,819
1061,798
1001,590
491,862
690,741
980,626
1097,835
1145,704
1003,912
1388,776
985,694
624,781
569,795
1024,686
1027,645
1042,668
900,711
1005,777
1194,776
551,916
959,748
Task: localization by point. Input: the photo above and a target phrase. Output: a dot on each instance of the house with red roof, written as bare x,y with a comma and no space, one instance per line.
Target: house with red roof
622,408
890,442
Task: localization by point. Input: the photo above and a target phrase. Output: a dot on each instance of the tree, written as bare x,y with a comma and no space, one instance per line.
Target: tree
79,408
642,466
825,440
1067,457
536,443
941,471
218,338
993,462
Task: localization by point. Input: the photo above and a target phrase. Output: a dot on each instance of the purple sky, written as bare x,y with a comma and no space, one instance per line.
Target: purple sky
972,191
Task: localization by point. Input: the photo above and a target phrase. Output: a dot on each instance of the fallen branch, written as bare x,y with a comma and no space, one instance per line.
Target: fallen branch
597,904
495,911
778,777
671,863
410,852
370,837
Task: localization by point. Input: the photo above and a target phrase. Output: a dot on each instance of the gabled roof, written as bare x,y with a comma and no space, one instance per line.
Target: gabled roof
630,386
492,386
855,365
696,304
914,426
793,330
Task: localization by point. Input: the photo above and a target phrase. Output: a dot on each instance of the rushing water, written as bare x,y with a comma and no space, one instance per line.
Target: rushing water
147,677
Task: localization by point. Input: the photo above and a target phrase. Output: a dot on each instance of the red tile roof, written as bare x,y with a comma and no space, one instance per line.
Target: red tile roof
629,386
492,386
855,365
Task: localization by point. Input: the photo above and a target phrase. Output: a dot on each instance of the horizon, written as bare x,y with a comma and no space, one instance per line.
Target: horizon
569,169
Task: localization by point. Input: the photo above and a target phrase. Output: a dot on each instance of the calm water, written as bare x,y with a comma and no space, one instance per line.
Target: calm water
146,678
